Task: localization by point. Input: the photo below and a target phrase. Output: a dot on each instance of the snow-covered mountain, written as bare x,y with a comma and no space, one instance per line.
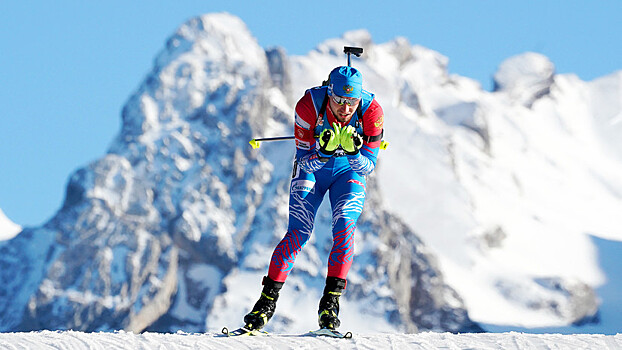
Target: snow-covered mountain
8,229
489,210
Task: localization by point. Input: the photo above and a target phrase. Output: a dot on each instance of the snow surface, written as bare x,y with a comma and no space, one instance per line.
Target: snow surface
482,341
8,229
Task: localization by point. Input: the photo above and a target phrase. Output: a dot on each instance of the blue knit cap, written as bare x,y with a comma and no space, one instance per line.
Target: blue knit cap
346,81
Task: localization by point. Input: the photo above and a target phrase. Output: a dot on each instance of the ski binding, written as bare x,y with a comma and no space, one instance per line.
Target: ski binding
242,331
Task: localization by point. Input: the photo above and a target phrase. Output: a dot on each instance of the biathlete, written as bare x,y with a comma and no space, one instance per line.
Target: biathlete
336,147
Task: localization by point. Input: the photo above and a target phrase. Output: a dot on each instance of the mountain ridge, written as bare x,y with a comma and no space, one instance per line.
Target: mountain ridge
174,226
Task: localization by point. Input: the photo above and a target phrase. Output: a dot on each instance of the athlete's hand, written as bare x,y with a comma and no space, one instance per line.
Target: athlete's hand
351,141
329,141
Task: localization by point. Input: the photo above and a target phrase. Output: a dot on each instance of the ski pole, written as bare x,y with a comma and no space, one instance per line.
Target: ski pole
255,143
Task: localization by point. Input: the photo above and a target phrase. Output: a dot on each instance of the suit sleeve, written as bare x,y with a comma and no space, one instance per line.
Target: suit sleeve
306,150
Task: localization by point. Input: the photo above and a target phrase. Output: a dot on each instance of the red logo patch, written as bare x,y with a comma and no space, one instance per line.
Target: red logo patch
356,182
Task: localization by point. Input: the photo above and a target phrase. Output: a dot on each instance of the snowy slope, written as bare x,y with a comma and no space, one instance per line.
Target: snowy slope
122,340
8,229
495,207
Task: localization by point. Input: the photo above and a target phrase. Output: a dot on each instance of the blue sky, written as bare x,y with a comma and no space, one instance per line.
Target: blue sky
67,67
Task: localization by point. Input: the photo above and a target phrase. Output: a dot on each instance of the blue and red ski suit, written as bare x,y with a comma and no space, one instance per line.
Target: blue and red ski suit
343,176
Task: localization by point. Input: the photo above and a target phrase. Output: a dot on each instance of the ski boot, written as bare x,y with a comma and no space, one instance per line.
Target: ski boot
329,304
264,307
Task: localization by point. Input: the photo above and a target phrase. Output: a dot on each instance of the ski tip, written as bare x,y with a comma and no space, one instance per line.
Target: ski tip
333,333
254,143
225,331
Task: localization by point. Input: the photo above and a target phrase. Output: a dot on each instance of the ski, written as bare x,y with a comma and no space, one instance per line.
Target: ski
322,332
242,331
326,332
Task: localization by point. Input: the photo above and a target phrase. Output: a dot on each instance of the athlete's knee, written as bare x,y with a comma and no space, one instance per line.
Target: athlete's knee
295,239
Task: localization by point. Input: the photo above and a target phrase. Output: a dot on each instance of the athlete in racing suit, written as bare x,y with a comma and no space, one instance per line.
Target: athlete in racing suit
336,147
